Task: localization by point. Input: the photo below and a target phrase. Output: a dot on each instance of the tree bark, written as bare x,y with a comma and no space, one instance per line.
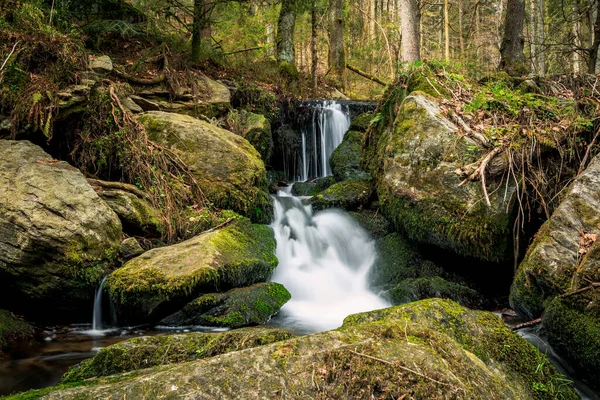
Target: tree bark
576,38
201,29
337,55
285,32
446,32
512,59
410,17
540,37
592,66
460,29
313,44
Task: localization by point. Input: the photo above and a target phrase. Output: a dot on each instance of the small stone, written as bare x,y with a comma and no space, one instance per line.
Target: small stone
101,65
132,106
130,248
145,104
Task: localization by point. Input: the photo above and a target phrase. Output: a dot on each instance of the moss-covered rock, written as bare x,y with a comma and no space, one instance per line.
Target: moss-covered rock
345,159
311,188
361,122
428,349
137,215
162,280
148,351
348,195
563,259
373,222
428,287
13,329
228,169
414,163
57,238
256,129
251,305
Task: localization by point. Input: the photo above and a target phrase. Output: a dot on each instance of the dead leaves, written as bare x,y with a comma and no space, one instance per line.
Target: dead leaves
586,240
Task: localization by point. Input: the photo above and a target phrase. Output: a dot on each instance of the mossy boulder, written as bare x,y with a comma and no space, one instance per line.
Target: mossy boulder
256,129
373,222
414,164
345,159
348,195
149,351
57,238
162,280
253,305
429,349
434,286
564,258
228,169
137,216
311,188
13,329
361,122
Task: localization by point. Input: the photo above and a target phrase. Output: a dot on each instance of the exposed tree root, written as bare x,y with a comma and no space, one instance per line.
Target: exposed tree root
96,183
140,81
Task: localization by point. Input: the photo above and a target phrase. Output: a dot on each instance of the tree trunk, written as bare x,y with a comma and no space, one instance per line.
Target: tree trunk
576,38
337,55
201,29
285,32
446,32
372,27
512,59
592,66
313,44
460,29
410,17
540,37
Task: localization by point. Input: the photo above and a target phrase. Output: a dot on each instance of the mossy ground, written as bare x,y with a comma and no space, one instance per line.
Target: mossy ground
13,329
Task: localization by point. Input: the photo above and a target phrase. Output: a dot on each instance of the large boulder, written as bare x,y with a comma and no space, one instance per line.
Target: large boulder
256,129
137,216
228,169
253,305
162,280
148,351
57,238
557,276
414,163
429,349
13,329
345,159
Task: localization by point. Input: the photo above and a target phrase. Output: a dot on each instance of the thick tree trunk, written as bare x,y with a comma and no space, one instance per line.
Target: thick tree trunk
337,55
410,17
512,59
285,32
313,44
201,29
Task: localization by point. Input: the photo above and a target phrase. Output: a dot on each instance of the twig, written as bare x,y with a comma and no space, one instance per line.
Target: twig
401,367
118,186
587,152
366,75
584,289
526,324
9,55
481,172
243,50
470,132
434,88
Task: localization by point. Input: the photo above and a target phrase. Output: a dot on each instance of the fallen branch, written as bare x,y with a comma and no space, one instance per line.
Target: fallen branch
366,75
118,186
470,133
480,172
140,81
587,153
526,324
584,289
243,50
402,367
9,55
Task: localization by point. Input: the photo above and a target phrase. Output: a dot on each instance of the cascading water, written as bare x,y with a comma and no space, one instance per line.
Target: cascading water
324,261
97,316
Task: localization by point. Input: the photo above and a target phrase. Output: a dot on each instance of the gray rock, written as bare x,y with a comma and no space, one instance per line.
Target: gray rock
137,215
145,104
101,64
57,238
132,106
130,248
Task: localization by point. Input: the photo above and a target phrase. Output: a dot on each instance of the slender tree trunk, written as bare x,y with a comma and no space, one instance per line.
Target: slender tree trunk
270,31
460,29
285,32
410,18
446,32
337,55
512,59
201,29
576,38
594,59
313,44
372,27
540,37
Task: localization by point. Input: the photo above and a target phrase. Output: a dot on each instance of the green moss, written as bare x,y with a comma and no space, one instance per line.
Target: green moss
13,329
251,305
313,187
427,287
576,335
345,159
348,195
149,351
373,222
361,122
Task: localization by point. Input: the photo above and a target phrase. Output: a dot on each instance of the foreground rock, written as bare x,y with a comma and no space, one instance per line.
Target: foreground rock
253,305
414,162
558,273
137,216
162,280
428,349
57,238
228,169
148,351
13,329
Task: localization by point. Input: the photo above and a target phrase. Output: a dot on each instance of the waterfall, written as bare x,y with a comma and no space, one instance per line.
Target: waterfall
324,261
97,316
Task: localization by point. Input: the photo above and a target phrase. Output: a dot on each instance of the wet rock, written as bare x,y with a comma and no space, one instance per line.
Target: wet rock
13,329
311,188
347,195
251,305
57,238
256,129
162,280
345,159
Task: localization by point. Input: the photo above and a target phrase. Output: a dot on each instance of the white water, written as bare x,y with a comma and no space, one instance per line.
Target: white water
324,261
97,320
